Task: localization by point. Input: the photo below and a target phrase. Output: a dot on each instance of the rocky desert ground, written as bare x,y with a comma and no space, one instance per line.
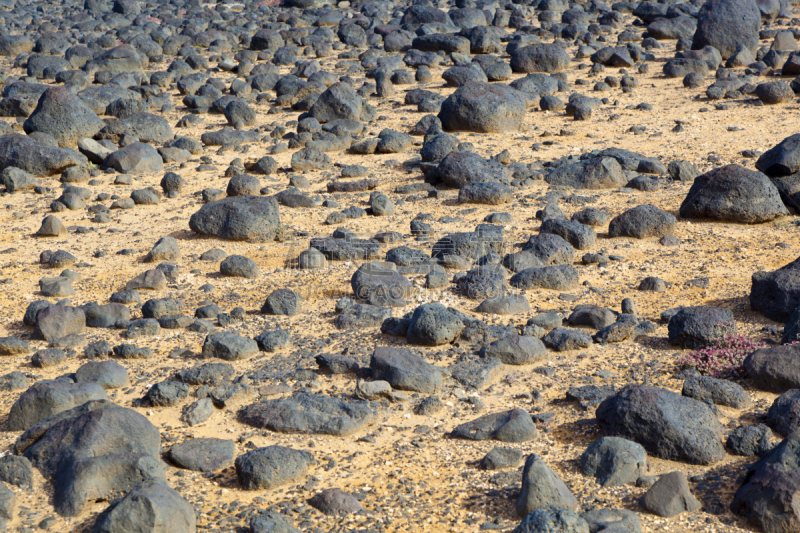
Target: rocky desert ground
382,267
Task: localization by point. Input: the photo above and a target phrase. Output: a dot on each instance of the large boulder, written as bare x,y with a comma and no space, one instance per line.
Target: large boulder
470,244
680,67
650,11
403,257
229,136
107,315
107,374
698,327
642,222
466,17
101,97
554,277
784,414
733,193
165,249
92,452
164,394
118,60
613,56
272,522
771,487
670,495
500,457
17,180
197,412
238,111
99,478
229,346
485,193
726,25
161,307
594,316
339,101
56,322
776,294
682,26
362,316
12,45
461,168
335,502
417,15
310,414
478,374
540,58
266,40
350,34
718,391
282,302
482,107
380,285
682,170
510,304
774,369
536,83
614,461
441,41
144,126
37,63
47,398
136,158
594,173
404,370
93,150
487,281
35,433
552,519
581,236
549,249
64,116
514,425
433,325
668,425
207,374
238,218
774,92
770,9
542,487
783,159
15,470
271,467
203,454
707,54
562,339
13,346
153,279
483,39
150,507
36,158
515,350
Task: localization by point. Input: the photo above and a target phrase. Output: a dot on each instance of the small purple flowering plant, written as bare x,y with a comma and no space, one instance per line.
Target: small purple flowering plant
723,358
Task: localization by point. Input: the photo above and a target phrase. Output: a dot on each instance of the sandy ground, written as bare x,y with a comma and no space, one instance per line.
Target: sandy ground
414,479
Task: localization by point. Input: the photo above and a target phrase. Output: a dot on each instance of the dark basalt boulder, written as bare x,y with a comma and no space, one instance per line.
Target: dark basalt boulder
733,193
238,218
668,425
37,158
